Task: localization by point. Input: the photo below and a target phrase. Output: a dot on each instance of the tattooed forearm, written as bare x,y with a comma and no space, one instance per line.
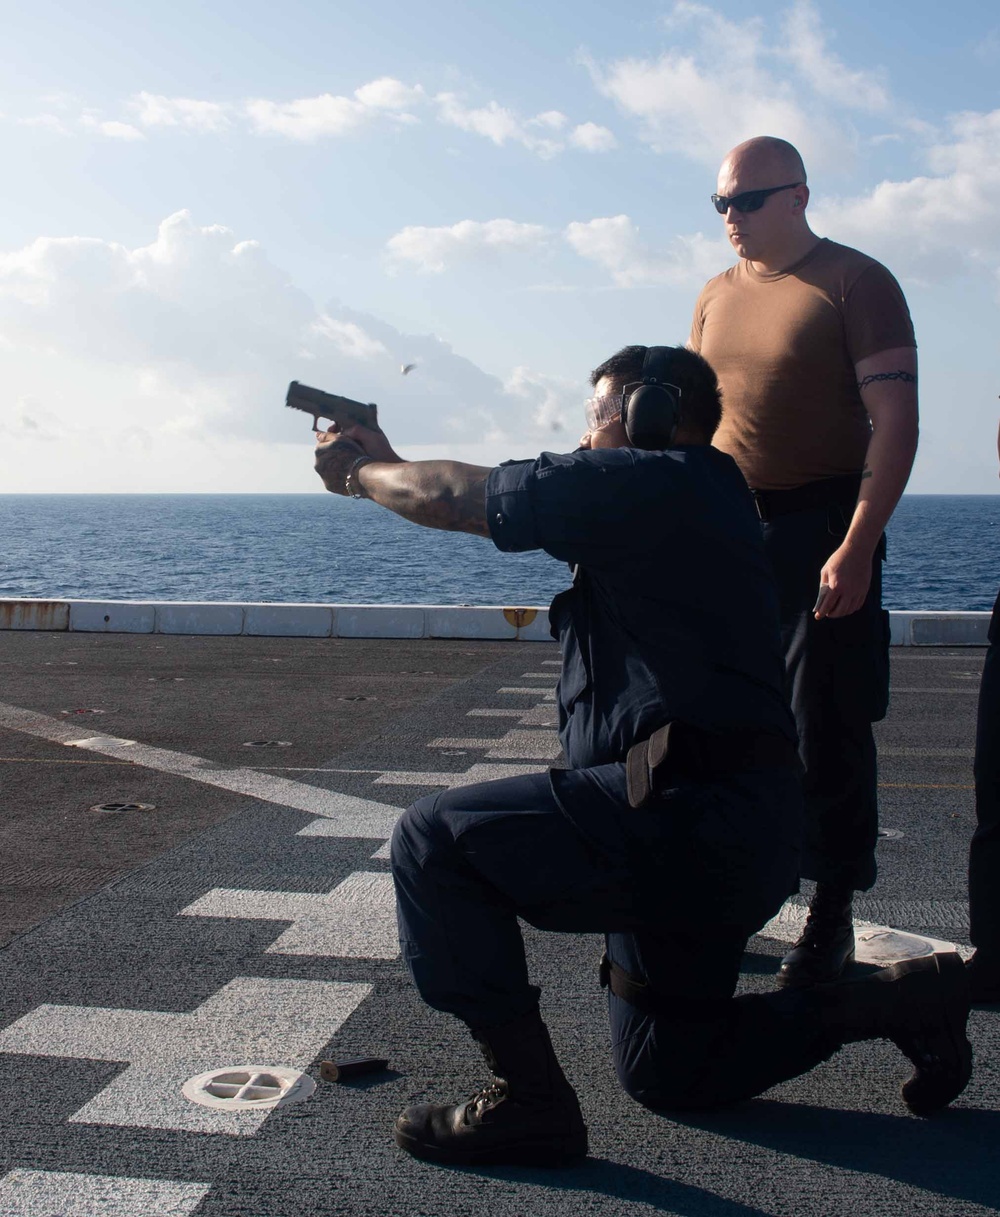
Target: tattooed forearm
866,472
906,377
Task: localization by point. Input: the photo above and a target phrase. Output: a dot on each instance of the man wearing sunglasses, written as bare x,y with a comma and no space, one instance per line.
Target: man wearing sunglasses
814,349
682,779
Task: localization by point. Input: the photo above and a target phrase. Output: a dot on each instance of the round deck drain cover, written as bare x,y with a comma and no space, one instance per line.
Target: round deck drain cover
249,1087
115,807
268,743
83,710
891,834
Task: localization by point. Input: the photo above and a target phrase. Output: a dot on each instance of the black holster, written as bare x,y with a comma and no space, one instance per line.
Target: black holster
680,752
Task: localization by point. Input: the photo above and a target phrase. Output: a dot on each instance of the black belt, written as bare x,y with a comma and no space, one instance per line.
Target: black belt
842,491
680,752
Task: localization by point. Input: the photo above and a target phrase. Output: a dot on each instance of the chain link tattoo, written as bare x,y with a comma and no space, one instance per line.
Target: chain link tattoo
906,377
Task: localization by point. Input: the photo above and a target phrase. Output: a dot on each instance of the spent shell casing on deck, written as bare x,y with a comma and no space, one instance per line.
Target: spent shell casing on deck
338,1071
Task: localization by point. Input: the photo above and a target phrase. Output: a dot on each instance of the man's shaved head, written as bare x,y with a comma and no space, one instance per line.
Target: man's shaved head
767,153
762,190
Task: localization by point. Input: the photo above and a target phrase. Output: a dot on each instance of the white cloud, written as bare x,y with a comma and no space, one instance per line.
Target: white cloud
389,94
434,249
593,138
502,126
113,130
615,243
154,110
309,118
821,70
46,122
181,350
722,81
938,224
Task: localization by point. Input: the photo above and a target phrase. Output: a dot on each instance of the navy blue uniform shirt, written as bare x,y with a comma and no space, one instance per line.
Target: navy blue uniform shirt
672,613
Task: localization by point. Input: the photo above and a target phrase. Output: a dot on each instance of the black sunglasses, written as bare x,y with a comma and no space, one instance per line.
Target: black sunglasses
750,200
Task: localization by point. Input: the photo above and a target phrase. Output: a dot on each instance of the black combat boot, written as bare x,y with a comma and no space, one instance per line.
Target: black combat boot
984,980
527,1115
922,1005
826,945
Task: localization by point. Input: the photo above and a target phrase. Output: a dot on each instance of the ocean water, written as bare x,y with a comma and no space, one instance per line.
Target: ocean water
943,552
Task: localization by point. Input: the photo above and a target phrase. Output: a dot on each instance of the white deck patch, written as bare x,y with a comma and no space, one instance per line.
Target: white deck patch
27,1193
347,815
514,746
249,1019
356,920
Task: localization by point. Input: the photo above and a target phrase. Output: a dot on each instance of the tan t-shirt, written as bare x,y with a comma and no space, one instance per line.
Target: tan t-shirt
784,348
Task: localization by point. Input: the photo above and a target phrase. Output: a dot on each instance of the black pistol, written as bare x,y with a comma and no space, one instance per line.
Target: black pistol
342,411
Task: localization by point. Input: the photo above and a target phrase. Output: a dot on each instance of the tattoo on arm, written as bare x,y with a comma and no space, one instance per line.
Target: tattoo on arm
906,377
866,473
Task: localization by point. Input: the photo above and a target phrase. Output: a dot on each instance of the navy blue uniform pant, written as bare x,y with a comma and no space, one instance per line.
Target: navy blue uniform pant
837,680
984,853
676,889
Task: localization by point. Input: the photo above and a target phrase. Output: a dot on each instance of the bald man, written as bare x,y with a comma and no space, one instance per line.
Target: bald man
814,349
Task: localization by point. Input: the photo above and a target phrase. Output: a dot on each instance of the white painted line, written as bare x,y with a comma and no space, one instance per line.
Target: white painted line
467,777
549,676
347,815
537,716
250,1019
937,753
356,920
971,689
874,944
534,692
514,746
383,853
28,1193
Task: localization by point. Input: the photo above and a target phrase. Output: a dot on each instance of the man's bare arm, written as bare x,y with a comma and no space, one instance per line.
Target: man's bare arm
888,384
437,494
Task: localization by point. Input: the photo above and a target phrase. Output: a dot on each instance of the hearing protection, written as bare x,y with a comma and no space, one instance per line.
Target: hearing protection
651,407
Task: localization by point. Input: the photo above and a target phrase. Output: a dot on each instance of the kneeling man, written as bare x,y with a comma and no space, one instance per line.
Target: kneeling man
683,780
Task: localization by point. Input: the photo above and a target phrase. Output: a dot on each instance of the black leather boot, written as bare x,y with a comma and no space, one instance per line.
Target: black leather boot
826,945
922,1005
984,980
527,1115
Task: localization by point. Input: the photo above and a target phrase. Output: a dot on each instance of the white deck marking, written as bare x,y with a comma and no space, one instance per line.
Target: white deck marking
28,1193
876,944
938,689
514,746
549,676
537,716
546,696
252,1018
468,777
347,815
356,920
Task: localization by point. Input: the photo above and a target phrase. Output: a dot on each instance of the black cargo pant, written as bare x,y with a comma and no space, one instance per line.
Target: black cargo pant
676,889
837,680
984,853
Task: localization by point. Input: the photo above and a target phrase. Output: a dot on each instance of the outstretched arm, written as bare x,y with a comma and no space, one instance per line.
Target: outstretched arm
438,494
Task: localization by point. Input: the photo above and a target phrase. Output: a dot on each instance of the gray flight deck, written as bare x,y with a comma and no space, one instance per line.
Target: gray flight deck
245,918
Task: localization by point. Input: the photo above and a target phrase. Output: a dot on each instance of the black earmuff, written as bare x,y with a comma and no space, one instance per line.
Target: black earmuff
651,412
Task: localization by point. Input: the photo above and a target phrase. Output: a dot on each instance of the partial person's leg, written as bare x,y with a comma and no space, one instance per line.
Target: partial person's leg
984,852
466,863
673,1051
837,681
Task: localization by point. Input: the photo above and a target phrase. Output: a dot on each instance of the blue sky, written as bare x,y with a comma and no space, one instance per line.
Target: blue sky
204,202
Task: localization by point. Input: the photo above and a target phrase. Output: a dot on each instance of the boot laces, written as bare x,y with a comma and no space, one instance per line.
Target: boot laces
488,1097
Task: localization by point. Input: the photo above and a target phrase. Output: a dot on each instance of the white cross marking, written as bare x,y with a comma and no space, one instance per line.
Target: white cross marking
514,746
249,1019
356,920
